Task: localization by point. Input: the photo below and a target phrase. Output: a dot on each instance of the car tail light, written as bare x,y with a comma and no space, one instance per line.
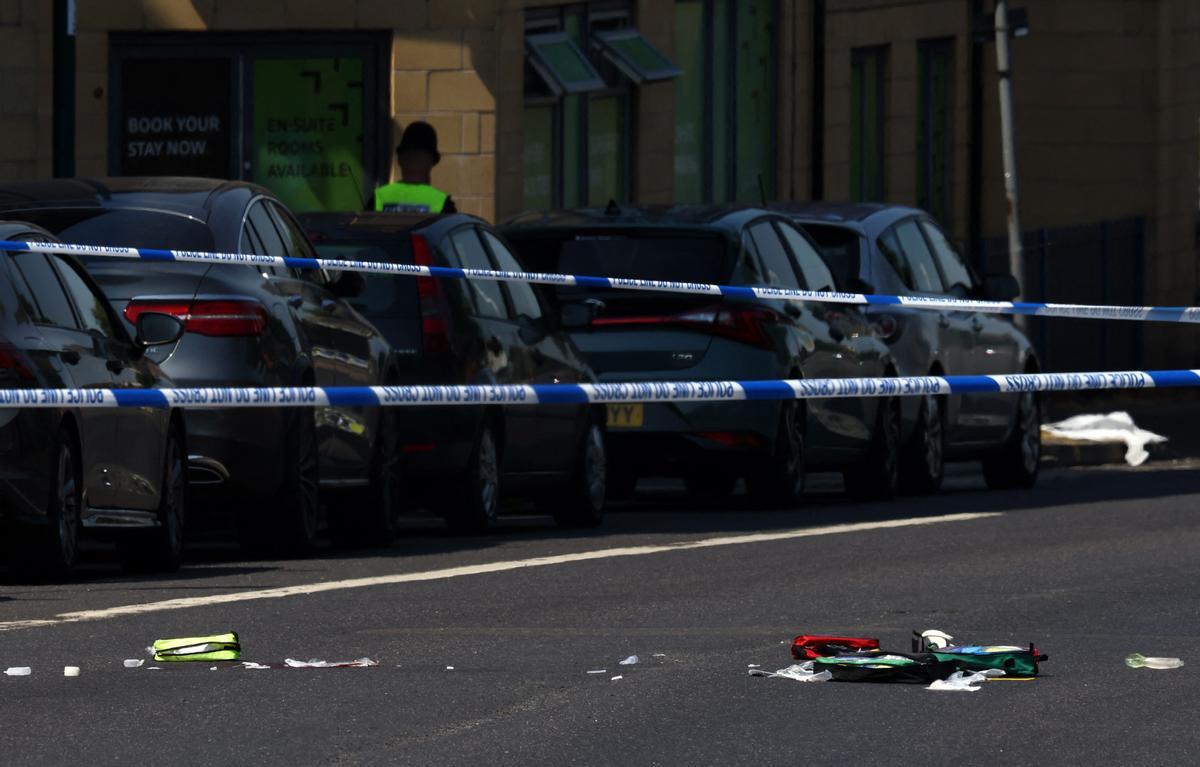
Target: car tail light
13,365
222,317
435,331
885,326
745,325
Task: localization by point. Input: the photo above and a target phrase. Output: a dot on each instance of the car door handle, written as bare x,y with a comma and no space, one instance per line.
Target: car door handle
494,346
115,365
295,300
328,304
70,356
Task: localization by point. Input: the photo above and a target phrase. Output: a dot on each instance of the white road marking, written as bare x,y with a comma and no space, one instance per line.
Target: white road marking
481,569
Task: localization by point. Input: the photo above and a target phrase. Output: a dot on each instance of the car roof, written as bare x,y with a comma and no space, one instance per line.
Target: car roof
193,196
863,217
726,217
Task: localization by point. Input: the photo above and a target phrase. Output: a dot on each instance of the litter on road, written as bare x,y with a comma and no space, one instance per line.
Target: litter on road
18,671
800,672
632,660
598,671
1137,660
134,662
615,678
205,648
961,681
314,663
70,670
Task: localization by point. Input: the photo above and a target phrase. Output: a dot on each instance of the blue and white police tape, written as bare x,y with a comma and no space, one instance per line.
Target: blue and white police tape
592,393
1176,314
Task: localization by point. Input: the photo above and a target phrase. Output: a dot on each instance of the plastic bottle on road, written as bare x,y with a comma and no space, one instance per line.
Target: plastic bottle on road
1137,660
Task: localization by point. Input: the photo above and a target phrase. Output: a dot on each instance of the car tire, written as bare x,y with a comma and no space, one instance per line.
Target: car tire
1017,463
712,486
161,549
475,507
288,522
780,477
923,463
52,551
587,491
370,516
878,476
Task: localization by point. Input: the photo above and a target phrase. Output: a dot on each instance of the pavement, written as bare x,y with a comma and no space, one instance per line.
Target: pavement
1093,564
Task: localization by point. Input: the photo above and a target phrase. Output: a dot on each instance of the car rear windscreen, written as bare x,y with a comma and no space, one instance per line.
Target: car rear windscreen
839,246
682,259
385,295
135,228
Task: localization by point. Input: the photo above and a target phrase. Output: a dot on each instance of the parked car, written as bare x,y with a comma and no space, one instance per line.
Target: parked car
70,470
897,250
448,331
644,336
245,326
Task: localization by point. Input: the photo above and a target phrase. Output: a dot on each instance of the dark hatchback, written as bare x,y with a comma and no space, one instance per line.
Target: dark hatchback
65,471
448,331
903,251
648,336
245,326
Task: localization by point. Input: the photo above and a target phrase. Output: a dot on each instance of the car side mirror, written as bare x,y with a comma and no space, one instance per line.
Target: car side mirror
348,285
158,329
1001,287
577,315
859,285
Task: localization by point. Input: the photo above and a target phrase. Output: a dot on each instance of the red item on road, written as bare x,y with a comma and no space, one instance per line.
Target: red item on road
809,647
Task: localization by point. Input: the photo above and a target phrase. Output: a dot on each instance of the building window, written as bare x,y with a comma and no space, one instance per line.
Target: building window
867,73
725,100
293,113
581,63
935,116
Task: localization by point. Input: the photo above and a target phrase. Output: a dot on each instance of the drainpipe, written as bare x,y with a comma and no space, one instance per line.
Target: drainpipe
63,125
1016,259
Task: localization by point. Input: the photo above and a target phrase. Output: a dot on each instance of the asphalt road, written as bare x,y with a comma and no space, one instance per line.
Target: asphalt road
1092,565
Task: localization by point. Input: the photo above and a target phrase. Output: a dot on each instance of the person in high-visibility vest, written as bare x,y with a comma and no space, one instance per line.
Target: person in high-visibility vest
417,153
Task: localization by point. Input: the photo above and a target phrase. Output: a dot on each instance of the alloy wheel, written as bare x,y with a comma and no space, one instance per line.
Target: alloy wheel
69,506
1029,423
934,457
489,475
595,467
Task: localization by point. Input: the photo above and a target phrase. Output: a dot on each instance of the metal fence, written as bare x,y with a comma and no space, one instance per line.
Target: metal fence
1100,263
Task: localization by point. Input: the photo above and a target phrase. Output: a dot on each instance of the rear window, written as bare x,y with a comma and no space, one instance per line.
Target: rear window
839,246
385,295
135,228
683,259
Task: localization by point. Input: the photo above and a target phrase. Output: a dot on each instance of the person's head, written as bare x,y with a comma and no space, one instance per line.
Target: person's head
417,152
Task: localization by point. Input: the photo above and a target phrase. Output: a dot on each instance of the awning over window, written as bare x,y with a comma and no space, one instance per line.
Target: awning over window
635,56
558,60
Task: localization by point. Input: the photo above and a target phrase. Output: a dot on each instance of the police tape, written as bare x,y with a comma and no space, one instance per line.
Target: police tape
438,395
1174,314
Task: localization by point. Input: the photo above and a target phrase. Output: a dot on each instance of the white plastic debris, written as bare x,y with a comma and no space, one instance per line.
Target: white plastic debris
70,670
935,638
315,663
752,665
800,672
249,664
630,661
618,676
134,662
1114,427
961,681
660,655
18,671
449,668
598,671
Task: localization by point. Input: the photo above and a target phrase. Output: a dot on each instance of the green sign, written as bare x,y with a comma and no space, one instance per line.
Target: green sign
308,132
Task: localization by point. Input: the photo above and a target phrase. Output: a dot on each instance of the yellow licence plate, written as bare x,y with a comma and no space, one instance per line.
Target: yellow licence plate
626,416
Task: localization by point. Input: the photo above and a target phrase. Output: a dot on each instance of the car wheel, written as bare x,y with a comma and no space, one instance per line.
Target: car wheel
1017,463
779,479
476,505
287,523
877,477
923,465
52,551
161,549
587,491
714,485
371,515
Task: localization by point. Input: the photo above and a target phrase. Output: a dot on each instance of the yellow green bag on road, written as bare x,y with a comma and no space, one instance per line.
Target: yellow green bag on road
207,648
